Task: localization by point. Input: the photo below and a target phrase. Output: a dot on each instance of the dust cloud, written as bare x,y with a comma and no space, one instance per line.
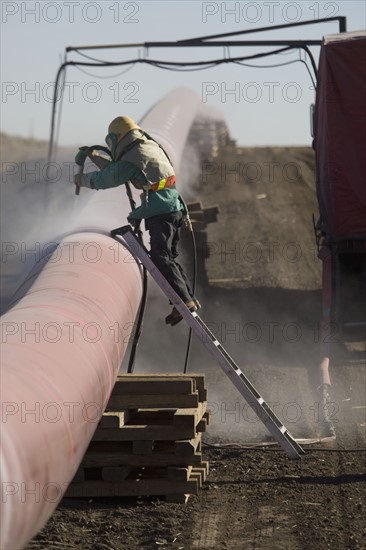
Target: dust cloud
39,208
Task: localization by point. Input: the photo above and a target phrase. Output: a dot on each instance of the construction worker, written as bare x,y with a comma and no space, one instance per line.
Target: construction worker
137,158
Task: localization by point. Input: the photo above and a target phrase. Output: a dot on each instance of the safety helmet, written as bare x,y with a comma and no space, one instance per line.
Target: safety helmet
117,130
121,126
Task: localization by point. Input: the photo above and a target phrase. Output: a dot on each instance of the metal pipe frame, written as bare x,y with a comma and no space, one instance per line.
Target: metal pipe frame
201,41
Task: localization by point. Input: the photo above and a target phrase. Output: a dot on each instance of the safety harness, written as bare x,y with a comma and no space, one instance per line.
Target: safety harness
147,186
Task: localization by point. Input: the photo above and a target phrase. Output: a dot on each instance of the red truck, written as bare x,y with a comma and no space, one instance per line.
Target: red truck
340,147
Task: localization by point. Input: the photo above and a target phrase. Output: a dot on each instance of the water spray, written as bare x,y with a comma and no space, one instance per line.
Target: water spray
100,160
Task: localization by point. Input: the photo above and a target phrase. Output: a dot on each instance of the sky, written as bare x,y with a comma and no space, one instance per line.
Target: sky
262,106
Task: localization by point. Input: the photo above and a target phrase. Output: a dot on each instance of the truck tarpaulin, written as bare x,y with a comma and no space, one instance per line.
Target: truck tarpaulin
340,138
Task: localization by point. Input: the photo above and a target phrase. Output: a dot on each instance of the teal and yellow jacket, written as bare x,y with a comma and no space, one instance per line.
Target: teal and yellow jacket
143,162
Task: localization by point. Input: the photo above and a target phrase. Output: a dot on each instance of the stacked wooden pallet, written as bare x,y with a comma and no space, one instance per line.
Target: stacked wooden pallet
200,216
148,441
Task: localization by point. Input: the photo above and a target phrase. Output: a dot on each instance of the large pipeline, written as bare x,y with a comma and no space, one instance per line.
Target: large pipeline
62,346
64,340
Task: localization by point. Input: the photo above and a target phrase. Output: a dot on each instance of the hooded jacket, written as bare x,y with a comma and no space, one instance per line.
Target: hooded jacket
140,159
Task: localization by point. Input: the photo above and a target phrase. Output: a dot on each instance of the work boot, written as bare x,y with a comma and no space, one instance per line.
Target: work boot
175,317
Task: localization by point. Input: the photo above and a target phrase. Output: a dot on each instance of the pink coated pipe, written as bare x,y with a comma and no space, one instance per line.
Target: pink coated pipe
62,346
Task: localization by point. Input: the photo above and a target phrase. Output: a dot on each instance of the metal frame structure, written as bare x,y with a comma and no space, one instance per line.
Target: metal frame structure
202,40
215,40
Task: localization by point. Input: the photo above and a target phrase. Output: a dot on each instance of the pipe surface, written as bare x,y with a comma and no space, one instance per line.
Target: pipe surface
62,346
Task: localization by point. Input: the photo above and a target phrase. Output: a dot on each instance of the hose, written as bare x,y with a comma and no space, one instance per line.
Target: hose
89,152
194,282
142,308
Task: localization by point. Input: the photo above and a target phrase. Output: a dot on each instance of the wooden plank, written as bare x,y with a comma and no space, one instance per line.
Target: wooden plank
211,214
204,422
189,417
130,384
113,419
142,447
101,459
193,206
173,401
198,378
144,432
153,416
187,447
179,474
202,425
207,417
177,499
197,215
126,447
200,385
198,476
79,475
116,474
201,471
205,464
198,225
131,487
202,394
181,447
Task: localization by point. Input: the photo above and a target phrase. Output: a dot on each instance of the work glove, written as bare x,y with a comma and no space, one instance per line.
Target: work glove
83,180
82,154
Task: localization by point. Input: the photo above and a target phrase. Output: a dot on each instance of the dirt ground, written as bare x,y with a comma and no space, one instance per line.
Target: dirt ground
263,302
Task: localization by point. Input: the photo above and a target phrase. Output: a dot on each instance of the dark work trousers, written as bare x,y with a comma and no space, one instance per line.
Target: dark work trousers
164,232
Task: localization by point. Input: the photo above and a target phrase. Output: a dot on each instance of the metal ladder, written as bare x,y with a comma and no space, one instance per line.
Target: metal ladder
228,365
